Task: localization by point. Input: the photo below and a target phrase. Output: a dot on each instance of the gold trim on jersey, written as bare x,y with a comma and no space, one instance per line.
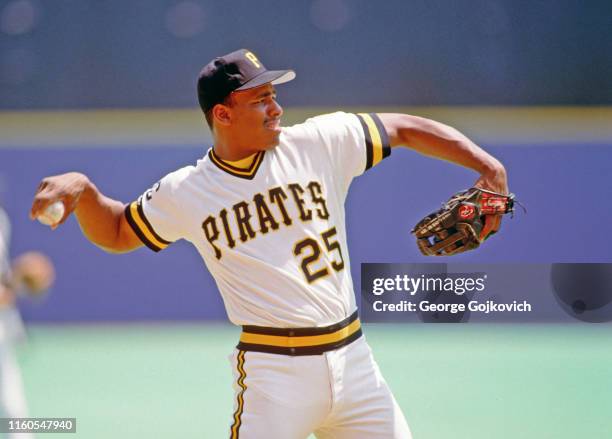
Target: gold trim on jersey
240,408
247,173
376,138
142,227
244,163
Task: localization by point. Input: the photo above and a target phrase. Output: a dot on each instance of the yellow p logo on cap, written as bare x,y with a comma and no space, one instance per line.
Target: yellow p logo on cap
251,57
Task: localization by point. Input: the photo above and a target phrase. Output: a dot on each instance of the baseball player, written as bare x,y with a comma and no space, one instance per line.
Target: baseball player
265,209
12,395
31,274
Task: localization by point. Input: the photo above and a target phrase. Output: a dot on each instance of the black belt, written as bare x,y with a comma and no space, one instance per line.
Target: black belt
300,341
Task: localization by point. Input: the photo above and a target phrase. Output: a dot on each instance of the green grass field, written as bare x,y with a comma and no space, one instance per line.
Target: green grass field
452,381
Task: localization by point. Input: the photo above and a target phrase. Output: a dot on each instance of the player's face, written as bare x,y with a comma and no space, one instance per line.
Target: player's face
256,117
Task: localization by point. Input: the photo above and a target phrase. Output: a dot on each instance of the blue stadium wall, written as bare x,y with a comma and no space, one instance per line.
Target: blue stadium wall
83,54
564,183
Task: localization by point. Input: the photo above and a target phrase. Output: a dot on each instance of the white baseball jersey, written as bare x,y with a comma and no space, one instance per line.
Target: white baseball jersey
5,236
273,236
11,325
12,395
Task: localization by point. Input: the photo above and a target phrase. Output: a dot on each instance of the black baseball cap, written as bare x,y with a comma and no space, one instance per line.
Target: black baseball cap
239,70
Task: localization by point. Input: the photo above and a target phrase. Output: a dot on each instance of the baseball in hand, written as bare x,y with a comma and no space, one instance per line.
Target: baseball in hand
52,214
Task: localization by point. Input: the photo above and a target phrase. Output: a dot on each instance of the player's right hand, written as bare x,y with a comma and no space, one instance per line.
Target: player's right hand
67,188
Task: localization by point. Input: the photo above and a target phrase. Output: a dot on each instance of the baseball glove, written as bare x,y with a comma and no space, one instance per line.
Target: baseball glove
457,226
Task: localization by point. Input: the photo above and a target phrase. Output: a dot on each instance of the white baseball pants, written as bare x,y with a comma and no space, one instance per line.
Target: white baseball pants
340,394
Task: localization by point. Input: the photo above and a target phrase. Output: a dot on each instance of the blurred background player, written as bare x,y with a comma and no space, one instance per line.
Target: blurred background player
30,274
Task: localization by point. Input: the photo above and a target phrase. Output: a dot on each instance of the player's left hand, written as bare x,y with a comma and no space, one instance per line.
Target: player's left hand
495,180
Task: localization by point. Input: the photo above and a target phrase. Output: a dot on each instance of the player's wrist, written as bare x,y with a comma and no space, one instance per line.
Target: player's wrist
87,192
491,167
494,173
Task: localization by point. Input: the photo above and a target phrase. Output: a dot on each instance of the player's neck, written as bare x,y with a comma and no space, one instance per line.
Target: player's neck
232,152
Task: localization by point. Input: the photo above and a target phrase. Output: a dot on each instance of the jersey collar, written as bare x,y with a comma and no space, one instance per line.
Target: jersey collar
248,173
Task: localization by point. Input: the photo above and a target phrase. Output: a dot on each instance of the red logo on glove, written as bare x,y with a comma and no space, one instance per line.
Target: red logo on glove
492,204
467,211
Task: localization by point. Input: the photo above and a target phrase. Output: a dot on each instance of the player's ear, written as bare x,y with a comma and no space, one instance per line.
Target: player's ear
222,114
